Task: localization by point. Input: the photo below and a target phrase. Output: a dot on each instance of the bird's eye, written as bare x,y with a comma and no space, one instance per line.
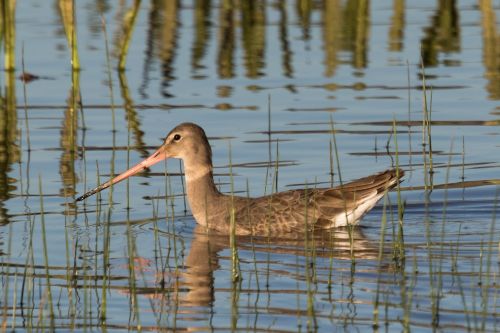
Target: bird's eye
177,137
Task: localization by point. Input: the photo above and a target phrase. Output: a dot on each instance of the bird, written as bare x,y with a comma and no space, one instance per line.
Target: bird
292,211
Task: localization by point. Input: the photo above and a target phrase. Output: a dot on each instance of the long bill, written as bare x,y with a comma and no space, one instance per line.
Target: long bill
156,157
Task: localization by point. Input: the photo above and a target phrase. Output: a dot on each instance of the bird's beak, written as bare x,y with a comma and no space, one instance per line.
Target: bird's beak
156,157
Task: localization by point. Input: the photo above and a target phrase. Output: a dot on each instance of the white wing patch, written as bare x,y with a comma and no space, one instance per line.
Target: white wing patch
353,216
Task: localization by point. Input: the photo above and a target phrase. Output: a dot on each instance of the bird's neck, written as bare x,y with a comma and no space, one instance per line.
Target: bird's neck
202,194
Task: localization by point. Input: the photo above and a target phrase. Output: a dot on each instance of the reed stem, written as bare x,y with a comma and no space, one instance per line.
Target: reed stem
128,28
46,256
7,15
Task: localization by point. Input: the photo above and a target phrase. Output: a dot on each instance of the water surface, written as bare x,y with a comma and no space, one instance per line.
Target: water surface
275,85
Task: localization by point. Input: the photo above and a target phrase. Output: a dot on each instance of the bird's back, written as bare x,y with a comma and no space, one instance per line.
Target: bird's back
308,209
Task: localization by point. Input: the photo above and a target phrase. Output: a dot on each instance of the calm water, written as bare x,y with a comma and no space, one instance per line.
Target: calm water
136,260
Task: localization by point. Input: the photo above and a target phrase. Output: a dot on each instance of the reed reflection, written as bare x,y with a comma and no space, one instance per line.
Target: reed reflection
253,25
226,47
332,35
202,23
94,19
168,41
356,29
68,140
161,42
152,31
286,52
9,149
443,34
397,25
345,27
131,116
69,127
491,48
304,11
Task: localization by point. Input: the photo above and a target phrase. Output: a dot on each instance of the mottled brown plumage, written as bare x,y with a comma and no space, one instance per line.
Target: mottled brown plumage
276,214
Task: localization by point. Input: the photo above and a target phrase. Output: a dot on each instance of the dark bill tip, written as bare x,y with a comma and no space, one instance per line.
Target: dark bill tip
92,192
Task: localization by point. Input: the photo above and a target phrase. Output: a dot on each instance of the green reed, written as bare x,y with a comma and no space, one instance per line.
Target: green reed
132,283
235,263
252,243
269,144
86,291
158,248
433,291
5,286
297,287
485,285
235,297
276,166
463,159
479,277
111,92
408,293
2,16
268,193
399,251
312,323
29,274
274,190
170,215
98,221
331,240
376,301
314,244
104,251
127,185
107,225
127,29
349,226
105,266
8,32
46,256
426,133
25,101
254,260
131,242
75,103
436,304
269,213
70,274
68,15
400,236
408,81
332,166
331,245
459,280
427,188
14,303
177,262
159,259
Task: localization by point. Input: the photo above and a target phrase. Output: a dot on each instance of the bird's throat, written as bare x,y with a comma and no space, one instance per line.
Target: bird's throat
202,194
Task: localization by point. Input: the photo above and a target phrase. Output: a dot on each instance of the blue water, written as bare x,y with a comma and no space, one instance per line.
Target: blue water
451,236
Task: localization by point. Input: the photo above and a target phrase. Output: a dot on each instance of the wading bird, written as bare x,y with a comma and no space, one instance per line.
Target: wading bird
271,215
